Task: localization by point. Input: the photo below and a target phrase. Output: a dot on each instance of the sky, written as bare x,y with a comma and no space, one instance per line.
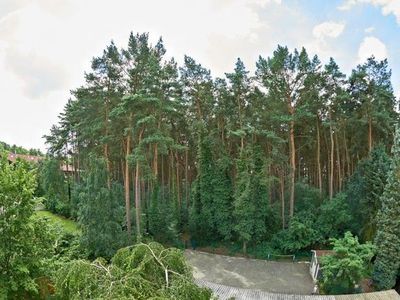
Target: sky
47,45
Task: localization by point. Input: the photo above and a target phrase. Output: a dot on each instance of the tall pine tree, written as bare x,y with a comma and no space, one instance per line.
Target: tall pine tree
387,240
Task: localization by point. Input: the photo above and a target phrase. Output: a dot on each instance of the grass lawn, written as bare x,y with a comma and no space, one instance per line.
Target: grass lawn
69,225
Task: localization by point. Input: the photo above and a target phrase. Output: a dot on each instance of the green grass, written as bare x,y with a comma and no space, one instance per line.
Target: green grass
68,225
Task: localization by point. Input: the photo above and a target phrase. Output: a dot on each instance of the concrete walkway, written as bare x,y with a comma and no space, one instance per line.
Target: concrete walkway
269,276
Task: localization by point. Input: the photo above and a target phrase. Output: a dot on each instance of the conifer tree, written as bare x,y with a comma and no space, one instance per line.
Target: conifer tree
101,214
387,240
250,202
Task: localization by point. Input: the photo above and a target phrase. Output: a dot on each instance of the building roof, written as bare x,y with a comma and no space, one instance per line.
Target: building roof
32,158
228,292
12,157
67,168
320,253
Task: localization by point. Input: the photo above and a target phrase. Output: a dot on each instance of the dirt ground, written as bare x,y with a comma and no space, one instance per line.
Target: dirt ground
270,276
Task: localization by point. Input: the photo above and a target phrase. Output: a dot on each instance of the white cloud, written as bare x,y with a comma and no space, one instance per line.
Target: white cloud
264,2
347,4
46,45
387,6
323,40
369,29
371,46
328,29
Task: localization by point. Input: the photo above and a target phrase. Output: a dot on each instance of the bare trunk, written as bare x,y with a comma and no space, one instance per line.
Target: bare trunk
331,162
282,194
338,164
178,190
347,153
292,168
106,150
171,174
78,166
162,177
127,187
240,123
155,162
137,194
319,158
137,200
106,155
369,134
186,178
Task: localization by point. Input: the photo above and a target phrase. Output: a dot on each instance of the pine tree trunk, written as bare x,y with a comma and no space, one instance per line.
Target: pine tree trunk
106,150
240,124
137,201
331,162
137,194
127,187
346,149
293,167
369,134
319,172
155,162
186,177
78,163
282,194
178,190
338,164
162,177
171,175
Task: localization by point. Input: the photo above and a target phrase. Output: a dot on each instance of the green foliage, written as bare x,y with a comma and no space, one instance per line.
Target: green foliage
100,214
25,242
67,225
55,186
222,199
314,225
225,152
364,191
347,266
19,150
161,217
211,211
251,194
387,263
300,234
307,197
334,218
137,272
371,86
203,193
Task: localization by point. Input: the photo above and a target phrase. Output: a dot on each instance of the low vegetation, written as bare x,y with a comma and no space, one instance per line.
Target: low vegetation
69,226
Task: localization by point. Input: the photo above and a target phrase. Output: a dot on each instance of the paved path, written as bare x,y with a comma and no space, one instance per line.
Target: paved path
269,276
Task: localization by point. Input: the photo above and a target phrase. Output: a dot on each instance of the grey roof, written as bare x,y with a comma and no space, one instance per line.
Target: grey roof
227,292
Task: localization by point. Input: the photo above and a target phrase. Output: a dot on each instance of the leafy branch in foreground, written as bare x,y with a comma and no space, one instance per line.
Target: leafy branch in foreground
136,272
347,266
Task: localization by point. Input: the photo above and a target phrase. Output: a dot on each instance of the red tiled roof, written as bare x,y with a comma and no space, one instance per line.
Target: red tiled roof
320,253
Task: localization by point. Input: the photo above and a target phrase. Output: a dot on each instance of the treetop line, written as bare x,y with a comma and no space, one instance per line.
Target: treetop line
224,154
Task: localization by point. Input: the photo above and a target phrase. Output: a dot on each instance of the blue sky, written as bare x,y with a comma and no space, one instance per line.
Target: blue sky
364,19
47,45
